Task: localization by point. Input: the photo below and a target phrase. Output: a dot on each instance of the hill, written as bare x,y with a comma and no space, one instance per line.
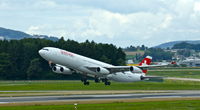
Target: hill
13,34
17,35
171,44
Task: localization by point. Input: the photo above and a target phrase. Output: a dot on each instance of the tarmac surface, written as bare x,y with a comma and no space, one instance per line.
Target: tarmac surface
171,94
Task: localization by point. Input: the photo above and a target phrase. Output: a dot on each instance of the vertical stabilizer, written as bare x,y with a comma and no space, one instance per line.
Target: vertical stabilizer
145,61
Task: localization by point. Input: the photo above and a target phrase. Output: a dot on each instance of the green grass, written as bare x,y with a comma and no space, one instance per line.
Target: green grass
19,92
77,85
181,73
155,105
176,68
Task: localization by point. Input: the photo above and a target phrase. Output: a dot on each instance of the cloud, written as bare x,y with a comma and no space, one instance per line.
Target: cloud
4,6
34,30
167,21
122,22
45,4
197,7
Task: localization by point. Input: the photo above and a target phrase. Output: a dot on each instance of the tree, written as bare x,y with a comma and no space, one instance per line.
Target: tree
183,45
158,54
143,47
5,65
105,59
120,62
19,59
184,52
34,69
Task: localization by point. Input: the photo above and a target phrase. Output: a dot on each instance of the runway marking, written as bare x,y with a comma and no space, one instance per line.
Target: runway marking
164,97
4,102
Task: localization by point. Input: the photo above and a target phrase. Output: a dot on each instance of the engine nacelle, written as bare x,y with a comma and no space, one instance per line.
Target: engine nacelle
136,77
102,70
135,69
61,70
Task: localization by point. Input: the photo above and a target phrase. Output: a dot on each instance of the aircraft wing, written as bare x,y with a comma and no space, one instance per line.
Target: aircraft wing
151,66
114,69
118,68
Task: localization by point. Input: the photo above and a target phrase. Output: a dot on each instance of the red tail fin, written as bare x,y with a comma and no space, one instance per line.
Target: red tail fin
145,61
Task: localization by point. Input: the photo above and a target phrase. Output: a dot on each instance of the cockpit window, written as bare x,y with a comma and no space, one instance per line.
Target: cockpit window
45,49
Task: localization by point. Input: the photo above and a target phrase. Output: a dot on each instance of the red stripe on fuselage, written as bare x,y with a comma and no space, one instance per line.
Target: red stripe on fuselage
66,53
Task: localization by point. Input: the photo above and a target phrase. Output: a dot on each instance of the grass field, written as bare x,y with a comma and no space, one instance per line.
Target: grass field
152,105
180,73
42,86
77,85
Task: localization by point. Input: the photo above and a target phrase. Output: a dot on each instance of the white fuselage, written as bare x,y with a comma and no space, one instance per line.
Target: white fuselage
80,63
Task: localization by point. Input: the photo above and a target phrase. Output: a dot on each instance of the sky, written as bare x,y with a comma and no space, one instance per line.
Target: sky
120,22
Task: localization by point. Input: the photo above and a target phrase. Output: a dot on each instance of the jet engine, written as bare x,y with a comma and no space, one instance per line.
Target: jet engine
61,70
102,70
138,77
142,77
135,69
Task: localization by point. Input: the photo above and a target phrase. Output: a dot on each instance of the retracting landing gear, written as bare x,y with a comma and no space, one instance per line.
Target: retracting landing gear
85,82
96,80
106,82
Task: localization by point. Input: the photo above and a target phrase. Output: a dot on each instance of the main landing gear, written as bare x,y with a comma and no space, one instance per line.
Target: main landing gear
106,82
97,80
85,82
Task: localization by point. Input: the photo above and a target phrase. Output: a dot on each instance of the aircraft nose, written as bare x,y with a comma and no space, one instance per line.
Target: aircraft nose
41,52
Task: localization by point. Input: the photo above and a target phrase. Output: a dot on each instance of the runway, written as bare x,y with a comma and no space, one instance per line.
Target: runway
176,94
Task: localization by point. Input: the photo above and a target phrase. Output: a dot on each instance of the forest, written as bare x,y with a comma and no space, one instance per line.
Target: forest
19,59
185,45
158,54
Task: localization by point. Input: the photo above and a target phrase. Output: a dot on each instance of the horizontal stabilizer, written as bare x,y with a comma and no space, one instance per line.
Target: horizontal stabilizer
153,79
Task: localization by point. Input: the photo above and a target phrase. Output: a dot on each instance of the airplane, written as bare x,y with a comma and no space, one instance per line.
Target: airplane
65,62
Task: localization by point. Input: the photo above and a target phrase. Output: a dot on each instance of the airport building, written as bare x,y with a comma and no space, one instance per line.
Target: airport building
194,62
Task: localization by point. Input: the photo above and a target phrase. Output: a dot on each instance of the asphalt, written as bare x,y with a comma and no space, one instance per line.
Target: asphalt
175,94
